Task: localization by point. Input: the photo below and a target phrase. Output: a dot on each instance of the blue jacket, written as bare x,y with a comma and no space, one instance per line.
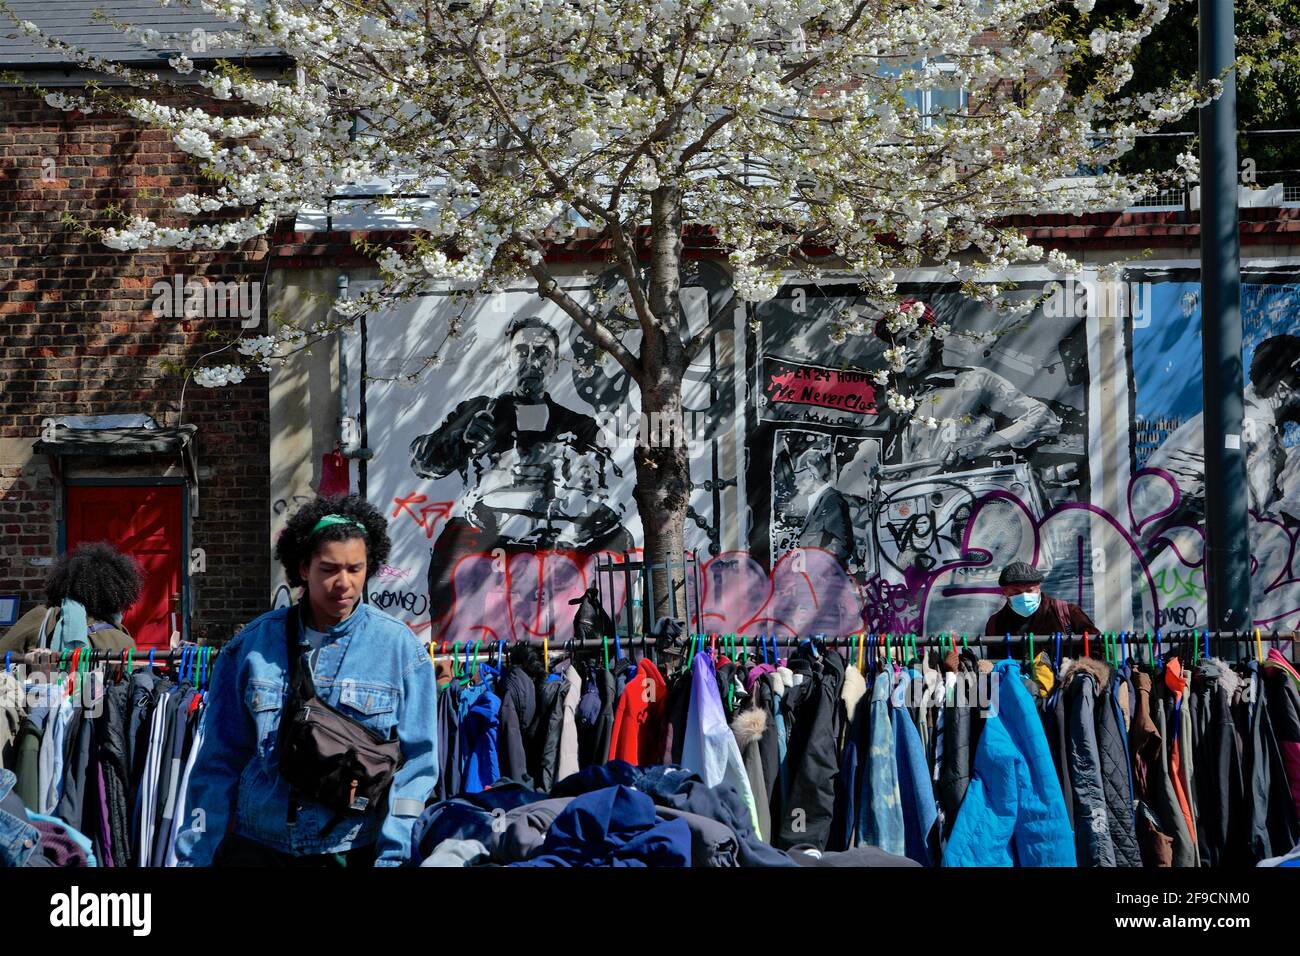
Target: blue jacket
914,785
616,826
879,803
18,838
371,668
1014,812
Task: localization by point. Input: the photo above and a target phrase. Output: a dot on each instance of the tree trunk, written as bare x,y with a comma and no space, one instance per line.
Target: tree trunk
663,476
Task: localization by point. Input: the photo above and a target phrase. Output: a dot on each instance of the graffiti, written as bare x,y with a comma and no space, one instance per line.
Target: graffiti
388,571
281,505
427,516
1174,587
412,602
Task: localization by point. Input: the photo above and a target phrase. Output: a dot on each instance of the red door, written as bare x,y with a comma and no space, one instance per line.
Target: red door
146,523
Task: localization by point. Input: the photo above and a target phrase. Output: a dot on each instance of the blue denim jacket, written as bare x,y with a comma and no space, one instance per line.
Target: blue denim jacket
18,838
371,668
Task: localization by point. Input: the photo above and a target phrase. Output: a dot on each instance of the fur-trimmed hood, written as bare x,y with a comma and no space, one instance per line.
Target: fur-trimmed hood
1099,671
748,726
1214,669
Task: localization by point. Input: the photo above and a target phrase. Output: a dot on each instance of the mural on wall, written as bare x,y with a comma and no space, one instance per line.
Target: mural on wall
1168,489
506,466
916,521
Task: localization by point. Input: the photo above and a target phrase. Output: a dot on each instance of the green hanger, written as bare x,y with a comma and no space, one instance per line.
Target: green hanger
605,644
1150,657
964,645
889,653
455,659
130,660
1031,648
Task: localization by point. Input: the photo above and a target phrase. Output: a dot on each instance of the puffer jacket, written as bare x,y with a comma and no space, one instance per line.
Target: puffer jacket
1270,811
1117,773
1162,832
1092,840
1014,812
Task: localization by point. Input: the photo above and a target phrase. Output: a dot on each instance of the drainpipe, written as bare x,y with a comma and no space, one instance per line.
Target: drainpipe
349,432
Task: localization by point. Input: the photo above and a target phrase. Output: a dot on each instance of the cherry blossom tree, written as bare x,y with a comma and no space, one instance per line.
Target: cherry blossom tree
797,136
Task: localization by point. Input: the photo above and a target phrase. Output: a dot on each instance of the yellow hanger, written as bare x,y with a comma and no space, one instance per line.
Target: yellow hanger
546,653
1259,647
862,636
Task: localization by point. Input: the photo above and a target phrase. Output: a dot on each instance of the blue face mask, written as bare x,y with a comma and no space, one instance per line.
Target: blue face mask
1026,604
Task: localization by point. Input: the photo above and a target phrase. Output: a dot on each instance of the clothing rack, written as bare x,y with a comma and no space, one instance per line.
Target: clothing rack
1126,640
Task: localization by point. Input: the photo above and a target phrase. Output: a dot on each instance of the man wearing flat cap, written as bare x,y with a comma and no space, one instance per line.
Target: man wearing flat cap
1029,611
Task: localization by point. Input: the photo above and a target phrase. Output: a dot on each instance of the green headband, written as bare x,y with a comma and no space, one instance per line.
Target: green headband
329,520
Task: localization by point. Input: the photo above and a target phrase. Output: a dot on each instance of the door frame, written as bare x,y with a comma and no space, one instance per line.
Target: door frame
107,482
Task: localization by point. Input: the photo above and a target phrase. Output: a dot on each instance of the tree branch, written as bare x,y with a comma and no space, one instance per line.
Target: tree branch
596,331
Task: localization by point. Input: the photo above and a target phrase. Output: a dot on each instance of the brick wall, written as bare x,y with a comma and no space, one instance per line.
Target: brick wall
78,336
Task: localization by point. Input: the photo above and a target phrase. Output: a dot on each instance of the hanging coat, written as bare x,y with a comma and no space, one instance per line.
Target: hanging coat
958,747
1270,811
914,787
449,740
638,721
1117,772
544,757
568,763
1283,686
710,748
518,725
748,727
1162,832
879,803
812,754
1221,830
479,710
1014,812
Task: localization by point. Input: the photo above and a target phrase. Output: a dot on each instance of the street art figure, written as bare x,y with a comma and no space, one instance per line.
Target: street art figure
534,470
1272,400
827,524
984,415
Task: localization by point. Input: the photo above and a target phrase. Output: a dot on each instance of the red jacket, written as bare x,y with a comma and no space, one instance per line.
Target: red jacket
638,721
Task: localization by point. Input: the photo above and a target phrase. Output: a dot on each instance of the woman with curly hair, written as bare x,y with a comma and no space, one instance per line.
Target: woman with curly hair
365,666
86,594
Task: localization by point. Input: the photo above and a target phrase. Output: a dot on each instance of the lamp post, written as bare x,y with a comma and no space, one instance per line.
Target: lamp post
1227,549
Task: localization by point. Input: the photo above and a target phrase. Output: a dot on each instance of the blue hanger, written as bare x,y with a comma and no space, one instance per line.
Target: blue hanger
618,650
151,658
1058,650
1160,651
1006,641
8,657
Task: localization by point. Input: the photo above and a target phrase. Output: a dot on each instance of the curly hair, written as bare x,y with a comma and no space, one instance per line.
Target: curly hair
98,576
297,544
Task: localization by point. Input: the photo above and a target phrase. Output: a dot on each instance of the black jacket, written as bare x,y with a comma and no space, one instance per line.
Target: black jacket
1221,830
550,708
518,725
111,729
811,752
1270,809
1097,757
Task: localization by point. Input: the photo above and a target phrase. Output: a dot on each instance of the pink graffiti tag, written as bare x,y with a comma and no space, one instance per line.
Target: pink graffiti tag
428,515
